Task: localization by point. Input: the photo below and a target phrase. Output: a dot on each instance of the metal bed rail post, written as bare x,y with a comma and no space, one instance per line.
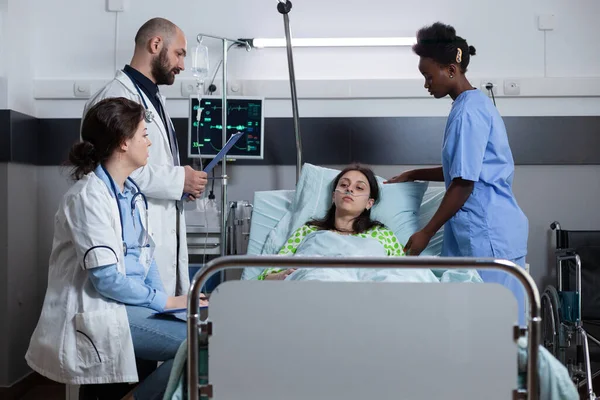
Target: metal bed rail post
233,262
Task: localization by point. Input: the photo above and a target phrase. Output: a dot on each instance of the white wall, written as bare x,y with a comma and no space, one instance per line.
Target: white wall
550,65
18,33
3,54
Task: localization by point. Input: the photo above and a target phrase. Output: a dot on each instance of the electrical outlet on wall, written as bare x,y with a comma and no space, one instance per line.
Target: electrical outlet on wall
115,5
216,85
82,89
486,82
546,22
512,87
188,88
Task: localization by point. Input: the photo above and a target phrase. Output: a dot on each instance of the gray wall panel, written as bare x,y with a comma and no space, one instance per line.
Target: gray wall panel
4,327
554,140
4,135
24,138
385,141
371,140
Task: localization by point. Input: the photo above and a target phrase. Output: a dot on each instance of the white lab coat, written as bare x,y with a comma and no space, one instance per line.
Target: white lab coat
162,183
81,336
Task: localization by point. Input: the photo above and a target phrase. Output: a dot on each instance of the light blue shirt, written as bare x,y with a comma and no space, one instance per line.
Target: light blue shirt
136,287
476,148
490,223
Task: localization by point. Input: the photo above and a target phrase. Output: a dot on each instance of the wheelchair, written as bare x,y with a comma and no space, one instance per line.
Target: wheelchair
571,309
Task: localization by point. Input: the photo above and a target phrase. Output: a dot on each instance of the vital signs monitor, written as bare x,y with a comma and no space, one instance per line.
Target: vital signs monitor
244,115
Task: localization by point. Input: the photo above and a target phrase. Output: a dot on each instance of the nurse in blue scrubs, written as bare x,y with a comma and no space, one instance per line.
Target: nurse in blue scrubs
479,210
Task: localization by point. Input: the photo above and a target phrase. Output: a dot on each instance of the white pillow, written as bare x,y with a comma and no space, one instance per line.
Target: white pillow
431,202
397,207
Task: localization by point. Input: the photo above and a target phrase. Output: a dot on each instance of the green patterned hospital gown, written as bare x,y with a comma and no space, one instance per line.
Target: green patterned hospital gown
383,235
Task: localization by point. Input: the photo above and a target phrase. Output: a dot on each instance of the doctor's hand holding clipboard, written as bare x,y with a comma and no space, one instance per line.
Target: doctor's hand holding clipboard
194,184
232,140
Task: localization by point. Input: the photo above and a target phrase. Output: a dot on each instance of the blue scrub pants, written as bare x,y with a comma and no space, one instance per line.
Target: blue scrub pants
511,282
154,339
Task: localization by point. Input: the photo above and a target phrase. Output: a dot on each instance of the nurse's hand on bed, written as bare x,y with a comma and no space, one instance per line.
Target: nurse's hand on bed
280,275
403,177
417,243
181,301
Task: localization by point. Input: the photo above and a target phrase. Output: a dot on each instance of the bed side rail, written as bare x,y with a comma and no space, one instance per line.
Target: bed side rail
236,262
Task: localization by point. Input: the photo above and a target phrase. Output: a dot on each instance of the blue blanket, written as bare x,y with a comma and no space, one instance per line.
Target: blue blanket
331,244
554,380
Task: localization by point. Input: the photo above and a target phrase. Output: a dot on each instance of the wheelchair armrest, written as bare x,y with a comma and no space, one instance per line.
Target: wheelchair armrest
566,254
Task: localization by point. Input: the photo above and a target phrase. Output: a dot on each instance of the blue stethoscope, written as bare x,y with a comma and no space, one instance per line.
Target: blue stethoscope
134,199
148,115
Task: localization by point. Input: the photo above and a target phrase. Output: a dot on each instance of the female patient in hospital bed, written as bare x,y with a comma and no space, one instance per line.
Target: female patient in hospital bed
347,230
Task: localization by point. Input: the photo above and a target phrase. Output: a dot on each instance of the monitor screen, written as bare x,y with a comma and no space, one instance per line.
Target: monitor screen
244,114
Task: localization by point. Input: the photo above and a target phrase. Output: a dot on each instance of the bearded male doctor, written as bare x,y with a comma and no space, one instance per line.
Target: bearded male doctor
160,50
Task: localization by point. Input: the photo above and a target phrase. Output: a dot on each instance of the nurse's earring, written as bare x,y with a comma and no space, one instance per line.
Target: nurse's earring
451,71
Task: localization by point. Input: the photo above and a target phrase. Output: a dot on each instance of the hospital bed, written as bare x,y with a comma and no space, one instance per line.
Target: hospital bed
298,340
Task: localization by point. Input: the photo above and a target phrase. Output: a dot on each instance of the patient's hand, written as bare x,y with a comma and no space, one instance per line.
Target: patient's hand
280,275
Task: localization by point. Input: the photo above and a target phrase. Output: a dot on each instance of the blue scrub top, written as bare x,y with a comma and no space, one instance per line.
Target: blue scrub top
476,148
490,223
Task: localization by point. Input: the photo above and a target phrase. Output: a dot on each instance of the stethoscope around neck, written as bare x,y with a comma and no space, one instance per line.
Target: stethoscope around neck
148,115
138,193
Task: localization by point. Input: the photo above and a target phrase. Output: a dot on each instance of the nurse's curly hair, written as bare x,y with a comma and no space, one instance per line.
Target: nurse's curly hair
440,43
105,127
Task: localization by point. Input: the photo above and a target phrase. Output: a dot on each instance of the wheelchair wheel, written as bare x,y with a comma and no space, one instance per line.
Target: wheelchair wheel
551,329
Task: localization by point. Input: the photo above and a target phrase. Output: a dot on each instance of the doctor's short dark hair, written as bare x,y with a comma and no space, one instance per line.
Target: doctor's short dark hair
440,43
106,125
155,27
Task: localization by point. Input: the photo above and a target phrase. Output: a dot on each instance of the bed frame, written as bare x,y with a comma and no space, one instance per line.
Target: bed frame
356,340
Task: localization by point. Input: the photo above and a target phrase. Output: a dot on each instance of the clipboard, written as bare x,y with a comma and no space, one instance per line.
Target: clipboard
179,313
232,140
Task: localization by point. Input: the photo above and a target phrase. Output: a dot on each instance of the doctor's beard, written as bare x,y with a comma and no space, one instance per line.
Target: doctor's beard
161,71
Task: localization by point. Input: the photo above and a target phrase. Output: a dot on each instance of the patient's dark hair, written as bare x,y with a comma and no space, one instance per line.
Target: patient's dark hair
363,222
105,127
440,43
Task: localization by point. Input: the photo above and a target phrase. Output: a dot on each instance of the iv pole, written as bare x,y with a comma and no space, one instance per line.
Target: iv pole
284,7
224,208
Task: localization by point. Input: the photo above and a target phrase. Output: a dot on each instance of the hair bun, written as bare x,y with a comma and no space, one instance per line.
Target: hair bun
472,50
85,149
84,158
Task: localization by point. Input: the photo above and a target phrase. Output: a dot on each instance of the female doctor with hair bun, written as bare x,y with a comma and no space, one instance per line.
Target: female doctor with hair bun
479,210
103,283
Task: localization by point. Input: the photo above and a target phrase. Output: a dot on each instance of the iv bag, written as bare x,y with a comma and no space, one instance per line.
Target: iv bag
200,62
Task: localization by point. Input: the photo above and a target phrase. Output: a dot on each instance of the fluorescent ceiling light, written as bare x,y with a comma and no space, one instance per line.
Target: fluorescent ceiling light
336,42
